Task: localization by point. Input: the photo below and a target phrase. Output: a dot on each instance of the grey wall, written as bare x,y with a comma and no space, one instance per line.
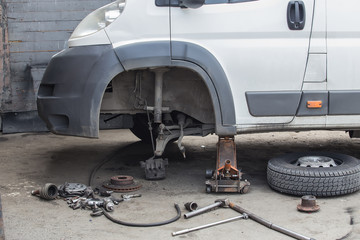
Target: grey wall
4,57
37,29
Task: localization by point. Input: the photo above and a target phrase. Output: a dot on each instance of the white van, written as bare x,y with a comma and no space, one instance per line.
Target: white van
195,67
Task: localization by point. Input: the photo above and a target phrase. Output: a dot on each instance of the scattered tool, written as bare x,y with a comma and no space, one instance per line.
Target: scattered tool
218,203
126,197
268,224
226,177
243,216
49,191
191,206
72,189
106,203
82,202
2,234
80,196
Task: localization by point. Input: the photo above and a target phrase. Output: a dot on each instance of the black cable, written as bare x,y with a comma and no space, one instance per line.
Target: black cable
103,162
118,153
98,166
108,216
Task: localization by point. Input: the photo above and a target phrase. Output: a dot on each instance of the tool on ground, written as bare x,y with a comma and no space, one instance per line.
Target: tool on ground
191,206
49,191
72,189
178,215
94,204
75,202
308,204
226,177
2,234
124,197
105,203
243,216
268,224
218,203
155,168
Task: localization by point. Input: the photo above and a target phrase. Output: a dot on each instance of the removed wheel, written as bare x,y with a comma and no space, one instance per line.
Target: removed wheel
317,173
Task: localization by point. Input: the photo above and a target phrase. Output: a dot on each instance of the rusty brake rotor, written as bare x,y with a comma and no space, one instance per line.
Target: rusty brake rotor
121,183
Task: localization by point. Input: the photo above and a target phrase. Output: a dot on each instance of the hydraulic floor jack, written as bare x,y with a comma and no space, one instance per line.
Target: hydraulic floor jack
226,177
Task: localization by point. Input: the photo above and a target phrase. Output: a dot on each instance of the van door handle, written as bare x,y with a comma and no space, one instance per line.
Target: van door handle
296,15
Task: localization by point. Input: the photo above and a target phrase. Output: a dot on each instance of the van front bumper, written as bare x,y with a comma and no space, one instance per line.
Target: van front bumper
71,90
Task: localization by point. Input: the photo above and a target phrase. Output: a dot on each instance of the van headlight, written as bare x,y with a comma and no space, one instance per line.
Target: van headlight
99,19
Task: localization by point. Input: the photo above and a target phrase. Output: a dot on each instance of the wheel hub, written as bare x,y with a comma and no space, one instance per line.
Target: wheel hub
315,161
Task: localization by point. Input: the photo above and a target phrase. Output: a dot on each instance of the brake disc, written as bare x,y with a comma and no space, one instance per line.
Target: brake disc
121,183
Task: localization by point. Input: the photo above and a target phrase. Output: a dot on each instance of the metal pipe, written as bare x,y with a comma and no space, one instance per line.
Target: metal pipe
2,234
268,223
202,210
244,216
159,74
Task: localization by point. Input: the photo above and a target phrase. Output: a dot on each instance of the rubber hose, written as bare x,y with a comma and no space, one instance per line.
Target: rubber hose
106,160
144,224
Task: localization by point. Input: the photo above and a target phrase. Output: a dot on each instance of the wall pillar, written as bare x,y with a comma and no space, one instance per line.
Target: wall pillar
5,88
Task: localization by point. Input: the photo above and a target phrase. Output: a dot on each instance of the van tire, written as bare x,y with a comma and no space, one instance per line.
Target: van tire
286,177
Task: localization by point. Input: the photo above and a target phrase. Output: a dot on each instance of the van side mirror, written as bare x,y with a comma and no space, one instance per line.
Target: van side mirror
191,3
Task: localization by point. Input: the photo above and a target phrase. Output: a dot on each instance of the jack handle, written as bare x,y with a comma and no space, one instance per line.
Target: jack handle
268,224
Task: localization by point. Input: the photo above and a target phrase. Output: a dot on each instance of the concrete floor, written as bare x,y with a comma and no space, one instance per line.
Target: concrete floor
28,161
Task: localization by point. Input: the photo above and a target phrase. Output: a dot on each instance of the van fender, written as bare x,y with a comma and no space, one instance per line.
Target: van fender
190,56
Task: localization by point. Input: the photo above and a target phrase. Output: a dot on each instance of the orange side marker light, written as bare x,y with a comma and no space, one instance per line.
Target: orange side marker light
314,104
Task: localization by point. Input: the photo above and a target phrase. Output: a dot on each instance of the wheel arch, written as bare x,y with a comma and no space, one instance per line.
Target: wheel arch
190,56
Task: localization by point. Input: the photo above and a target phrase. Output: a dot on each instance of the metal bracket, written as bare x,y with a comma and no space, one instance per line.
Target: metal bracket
155,168
163,139
226,177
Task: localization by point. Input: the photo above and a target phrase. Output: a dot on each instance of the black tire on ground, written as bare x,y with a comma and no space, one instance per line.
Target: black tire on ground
141,128
286,177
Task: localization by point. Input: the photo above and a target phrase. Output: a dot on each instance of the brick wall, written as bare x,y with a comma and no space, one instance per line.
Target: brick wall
37,29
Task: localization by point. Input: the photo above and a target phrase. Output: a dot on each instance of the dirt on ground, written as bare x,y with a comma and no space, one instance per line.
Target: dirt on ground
28,161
